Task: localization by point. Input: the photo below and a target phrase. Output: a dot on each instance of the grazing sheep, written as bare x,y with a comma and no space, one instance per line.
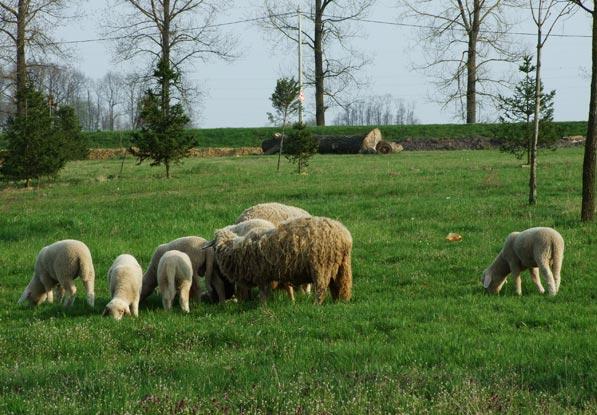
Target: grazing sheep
219,287
305,250
537,249
190,245
175,273
57,265
124,279
277,213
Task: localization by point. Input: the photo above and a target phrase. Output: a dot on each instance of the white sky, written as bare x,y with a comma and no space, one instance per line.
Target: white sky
237,93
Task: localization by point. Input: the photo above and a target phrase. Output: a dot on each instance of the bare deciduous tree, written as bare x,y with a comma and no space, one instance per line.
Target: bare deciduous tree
28,24
328,34
587,213
169,31
377,110
544,12
111,89
461,40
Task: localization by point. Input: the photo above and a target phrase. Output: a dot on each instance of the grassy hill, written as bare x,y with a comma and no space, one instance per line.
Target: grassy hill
252,137
419,335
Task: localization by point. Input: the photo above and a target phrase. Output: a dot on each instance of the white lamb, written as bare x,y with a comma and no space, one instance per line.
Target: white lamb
190,245
537,249
57,265
175,273
125,277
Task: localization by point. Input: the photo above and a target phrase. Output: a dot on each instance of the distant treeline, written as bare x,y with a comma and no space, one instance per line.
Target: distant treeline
252,137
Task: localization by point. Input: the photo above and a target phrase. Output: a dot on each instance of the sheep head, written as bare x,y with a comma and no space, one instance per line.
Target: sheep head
35,293
491,282
116,309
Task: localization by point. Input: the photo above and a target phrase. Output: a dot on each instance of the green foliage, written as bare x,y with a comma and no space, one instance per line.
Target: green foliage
518,111
162,137
301,145
41,142
419,335
76,145
285,101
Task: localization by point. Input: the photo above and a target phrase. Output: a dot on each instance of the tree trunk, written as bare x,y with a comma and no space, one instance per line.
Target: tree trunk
319,75
533,174
588,170
471,67
167,164
166,58
23,7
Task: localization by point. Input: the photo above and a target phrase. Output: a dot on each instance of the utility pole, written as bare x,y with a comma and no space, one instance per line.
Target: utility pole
300,65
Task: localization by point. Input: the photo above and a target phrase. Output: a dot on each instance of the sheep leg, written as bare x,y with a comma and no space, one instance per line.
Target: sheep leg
70,293
49,285
556,268
535,277
242,291
90,290
167,300
306,289
135,306
195,289
290,291
183,297
515,272
548,276
264,291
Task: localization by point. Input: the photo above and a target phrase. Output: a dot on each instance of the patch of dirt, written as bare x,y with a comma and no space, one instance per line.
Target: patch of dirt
112,153
472,143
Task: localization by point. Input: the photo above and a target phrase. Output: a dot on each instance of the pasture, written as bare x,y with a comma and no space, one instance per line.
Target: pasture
419,335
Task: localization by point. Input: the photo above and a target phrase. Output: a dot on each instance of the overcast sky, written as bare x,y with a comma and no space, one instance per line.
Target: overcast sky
236,93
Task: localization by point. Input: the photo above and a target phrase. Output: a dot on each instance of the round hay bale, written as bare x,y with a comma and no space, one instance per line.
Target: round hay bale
383,147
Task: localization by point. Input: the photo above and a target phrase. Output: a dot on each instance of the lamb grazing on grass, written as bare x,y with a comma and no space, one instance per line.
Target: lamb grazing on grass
219,287
190,245
125,277
540,249
305,250
57,265
175,273
277,213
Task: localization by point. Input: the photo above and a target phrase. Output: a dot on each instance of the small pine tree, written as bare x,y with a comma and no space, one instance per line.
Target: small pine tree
37,147
75,146
286,103
162,137
301,145
516,122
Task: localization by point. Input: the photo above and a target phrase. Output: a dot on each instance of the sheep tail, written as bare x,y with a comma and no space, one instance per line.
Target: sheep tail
171,275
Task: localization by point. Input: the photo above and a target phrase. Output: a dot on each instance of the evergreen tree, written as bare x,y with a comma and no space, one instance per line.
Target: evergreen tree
517,115
37,146
162,137
75,145
285,101
301,146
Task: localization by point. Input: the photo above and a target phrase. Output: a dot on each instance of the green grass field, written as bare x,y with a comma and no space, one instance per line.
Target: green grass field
419,336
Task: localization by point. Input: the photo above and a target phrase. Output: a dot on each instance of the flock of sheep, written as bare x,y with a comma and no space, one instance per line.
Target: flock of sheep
271,245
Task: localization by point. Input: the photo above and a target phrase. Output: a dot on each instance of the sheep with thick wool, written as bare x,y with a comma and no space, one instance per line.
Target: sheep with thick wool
175,274
125,277
217,284
56,266
273,212
277,213
190,245
306,250
541,250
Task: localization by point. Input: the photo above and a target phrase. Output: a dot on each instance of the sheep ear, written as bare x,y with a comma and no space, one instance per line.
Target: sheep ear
26,294
487,281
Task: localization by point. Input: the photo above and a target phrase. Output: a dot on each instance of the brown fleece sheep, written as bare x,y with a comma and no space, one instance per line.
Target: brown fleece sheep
277,213
306,250
190,245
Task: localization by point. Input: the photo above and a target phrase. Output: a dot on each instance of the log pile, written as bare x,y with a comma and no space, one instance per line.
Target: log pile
370,143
